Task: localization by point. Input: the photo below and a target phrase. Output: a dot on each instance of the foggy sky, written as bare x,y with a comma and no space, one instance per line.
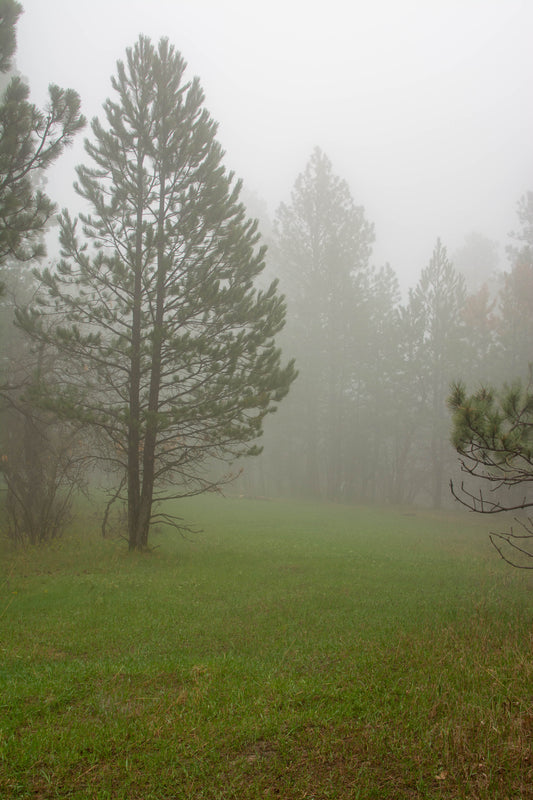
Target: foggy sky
424,107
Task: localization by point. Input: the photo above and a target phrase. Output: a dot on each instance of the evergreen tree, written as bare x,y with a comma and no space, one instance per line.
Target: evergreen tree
37,463
30,141
323,245
523,238
170,347
439,351
10,11
377,418
478,261
483,328
515,322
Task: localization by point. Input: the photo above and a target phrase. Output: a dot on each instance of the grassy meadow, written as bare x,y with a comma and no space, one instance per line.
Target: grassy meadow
290,650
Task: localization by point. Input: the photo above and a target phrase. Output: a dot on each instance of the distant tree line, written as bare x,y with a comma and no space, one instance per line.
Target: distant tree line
367,420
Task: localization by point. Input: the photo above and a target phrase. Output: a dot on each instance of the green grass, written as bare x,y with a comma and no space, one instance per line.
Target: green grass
288,651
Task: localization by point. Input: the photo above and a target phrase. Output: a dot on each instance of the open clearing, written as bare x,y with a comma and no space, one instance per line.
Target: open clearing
290,650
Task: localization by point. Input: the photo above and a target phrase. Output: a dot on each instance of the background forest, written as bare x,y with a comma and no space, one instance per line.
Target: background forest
367,420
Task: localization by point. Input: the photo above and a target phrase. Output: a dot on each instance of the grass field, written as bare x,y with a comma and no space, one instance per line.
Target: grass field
288,651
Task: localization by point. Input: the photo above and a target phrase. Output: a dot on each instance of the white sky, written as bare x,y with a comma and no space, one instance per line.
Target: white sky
425,107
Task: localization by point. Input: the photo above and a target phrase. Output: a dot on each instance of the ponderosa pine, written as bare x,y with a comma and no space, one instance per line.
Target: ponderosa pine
169,347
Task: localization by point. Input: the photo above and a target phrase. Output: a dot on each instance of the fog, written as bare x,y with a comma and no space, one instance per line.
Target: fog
423,108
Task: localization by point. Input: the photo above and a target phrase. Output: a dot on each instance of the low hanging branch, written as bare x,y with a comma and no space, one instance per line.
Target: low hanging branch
493,435
519,551
483,505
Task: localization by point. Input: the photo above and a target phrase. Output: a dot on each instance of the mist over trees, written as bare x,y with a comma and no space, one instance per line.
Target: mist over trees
323,243
153,346
368,419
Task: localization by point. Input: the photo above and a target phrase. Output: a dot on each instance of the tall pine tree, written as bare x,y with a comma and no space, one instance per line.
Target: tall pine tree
438,351
324,242
170,347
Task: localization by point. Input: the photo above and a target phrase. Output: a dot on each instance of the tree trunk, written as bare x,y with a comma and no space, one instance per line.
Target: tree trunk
150,438
134,420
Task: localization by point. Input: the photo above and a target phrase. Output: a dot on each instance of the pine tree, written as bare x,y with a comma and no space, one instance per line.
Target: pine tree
438,351
37,481
10,11
377,392
515,322
324,243
172,358
30,141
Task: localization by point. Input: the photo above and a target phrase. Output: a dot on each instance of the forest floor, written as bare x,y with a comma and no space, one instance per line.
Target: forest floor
290,650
